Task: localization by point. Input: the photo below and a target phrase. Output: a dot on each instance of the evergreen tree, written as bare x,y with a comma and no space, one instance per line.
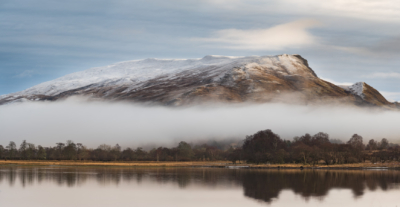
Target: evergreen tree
31,151
2,152
12,150
23,150
185,151
41,154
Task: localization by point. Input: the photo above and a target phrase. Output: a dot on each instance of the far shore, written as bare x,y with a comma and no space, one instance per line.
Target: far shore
211,164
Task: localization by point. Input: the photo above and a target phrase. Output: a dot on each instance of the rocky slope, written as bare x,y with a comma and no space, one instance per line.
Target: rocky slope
283,78
368,94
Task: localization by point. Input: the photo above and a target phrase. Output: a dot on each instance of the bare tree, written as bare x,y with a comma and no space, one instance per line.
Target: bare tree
356,141
372,145
384,144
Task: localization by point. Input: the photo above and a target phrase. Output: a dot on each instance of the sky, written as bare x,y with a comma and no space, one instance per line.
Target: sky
345,41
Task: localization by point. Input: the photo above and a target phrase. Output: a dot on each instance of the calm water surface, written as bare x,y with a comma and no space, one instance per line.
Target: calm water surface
81,186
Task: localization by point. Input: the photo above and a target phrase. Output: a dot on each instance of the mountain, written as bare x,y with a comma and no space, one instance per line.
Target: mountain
259,79
368,94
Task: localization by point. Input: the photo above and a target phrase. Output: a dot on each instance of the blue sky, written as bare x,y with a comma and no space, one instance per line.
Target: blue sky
344,41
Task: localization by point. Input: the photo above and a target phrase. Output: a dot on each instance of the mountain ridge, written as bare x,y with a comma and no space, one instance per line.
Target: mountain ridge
211,78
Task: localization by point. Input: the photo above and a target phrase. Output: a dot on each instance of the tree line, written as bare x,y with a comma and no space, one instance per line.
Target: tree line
77,151
261,147
267,147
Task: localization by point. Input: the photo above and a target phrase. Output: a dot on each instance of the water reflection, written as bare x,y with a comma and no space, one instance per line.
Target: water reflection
263,185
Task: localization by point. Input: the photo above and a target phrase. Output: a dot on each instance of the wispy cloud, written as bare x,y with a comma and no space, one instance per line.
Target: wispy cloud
386,10
94,123
61,37
391,96
393,75
337,83
25,74
381,10
389,47
292,34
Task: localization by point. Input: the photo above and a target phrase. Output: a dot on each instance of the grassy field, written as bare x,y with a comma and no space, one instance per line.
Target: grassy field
191,164
114,163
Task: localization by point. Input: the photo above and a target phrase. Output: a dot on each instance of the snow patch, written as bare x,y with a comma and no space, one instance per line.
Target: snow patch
357,89
132,73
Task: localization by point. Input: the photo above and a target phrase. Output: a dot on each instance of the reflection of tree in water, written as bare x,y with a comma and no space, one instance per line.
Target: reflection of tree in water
11,176
263,185
26,176
104,177
266,185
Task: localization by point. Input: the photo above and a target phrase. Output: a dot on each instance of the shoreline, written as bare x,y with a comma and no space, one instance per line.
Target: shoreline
198,164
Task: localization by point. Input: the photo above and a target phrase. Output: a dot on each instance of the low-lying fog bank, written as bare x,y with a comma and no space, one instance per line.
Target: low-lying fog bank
95,123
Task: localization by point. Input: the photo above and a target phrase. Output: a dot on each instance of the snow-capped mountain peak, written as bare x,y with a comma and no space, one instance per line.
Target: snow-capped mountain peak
211,78
142,70
358,89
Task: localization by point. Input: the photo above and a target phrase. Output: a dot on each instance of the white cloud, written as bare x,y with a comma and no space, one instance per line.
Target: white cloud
383,10
393,75
391,96
226,4
25,74
366,9
337,83
293,34
94,123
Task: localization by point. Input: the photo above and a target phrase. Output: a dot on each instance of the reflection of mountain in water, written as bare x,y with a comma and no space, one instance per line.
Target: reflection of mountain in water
263,185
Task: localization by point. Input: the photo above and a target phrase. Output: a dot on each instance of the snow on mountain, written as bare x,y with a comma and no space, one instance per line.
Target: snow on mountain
224,79
357,89
368,94
141,70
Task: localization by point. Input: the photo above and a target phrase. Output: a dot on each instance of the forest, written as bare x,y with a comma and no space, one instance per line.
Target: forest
261,147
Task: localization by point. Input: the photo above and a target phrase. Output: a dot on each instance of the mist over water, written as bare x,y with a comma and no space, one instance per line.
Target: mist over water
131,125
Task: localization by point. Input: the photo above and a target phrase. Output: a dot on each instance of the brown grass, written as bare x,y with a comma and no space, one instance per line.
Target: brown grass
354,165
189,164
114,163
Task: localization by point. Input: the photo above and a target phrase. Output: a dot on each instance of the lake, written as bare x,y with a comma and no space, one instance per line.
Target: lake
100,186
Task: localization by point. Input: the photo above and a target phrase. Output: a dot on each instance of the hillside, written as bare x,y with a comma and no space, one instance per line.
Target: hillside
222,79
